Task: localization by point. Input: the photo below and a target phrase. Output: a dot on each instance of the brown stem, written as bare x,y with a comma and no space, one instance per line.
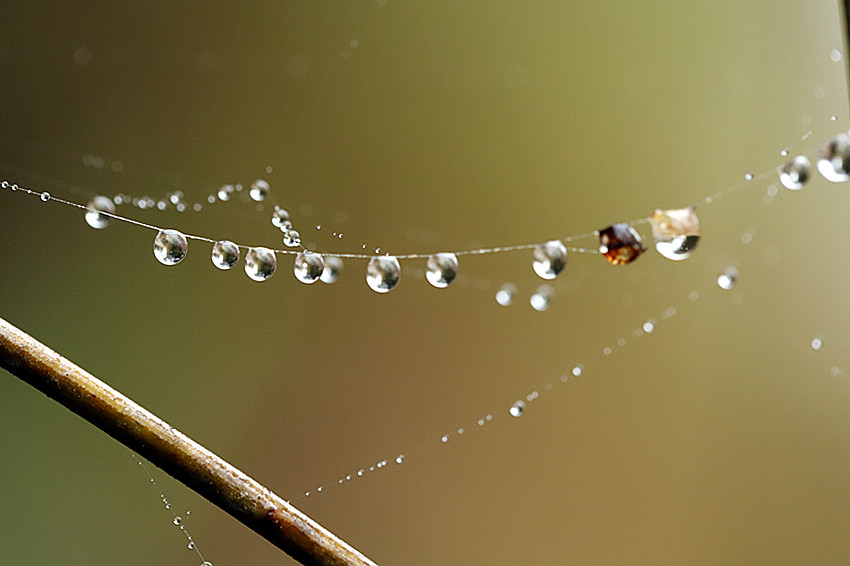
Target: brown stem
130,424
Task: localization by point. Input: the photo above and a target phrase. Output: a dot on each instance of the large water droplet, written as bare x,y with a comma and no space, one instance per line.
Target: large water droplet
225,254
308,267
260,263
620,244
517,408
675,231
505,294
95,206
541,297
291,238
332,270
795,173
728,278
170,247
383,273
45,196
259,190
834,159
225,192
279,216
550,259
441,269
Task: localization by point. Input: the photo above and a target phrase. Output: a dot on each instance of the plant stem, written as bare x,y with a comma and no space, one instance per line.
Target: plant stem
130,424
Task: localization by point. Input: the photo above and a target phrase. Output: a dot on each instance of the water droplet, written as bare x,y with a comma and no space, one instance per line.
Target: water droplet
728,278
383,273
177,521
4,184
517,408
332,270
795,173
291,238
834,159
817,343
577,370
190,546
748,176
259,190
225,254
279,216
783,152
540,299
607,350
170,247
441,269
260,263
675,231
648,326
505,294
399,459
620,244
549,259
95,207
445,438
225,192
835,55
45,196
308,267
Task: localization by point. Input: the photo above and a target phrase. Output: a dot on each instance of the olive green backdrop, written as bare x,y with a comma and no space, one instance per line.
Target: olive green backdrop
721,438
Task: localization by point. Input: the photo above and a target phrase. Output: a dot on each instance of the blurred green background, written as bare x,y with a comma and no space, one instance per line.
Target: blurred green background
721,438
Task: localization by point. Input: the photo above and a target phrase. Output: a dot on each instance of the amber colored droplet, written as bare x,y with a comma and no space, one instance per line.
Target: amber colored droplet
620,244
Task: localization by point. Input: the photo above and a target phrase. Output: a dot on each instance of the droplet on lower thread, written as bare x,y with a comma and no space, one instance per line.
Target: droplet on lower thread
441,269
834,159
517,408
225,254
95,208
748,176
279,216
177,521
795,173
332,270
577,370
170,247
541,297
549,259
728,278
675,232
45,196
383,273
225,192
259,189
620,244
399,459
260,263
817,343
308,267
505,294
291,238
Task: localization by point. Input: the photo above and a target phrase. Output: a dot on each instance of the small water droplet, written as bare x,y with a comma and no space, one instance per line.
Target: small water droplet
308,267
399,459
728,278
505,294
460,431
620,244
541,297
383,274
517,408
177,521
197,207
259,190
795,173
291,238
549,259
260,263
45,196
783,152
170,247
190,546
441,269
444,439
675,232
834,159
95,208
332,270
577,370
4,184
279,216
693,295
168,505
817,343
225,192
748,176
649,326
607,351
835,55
225,254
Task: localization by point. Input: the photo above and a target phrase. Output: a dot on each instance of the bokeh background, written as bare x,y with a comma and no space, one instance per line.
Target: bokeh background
721,438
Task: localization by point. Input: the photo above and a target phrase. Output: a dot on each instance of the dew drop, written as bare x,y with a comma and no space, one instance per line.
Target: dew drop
577,370
784,152
399,459
308,267
834,159
549,259
648,326
728,278
95,208
332,270
259,190
177,521
748,176
225,192
291,238
4,184
383,273
541,297
170,247
225,254
441,269
279,216
795,173
260,263
675,232
835,55
620,244
505,294
817,343
444,439
517,408
45,196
